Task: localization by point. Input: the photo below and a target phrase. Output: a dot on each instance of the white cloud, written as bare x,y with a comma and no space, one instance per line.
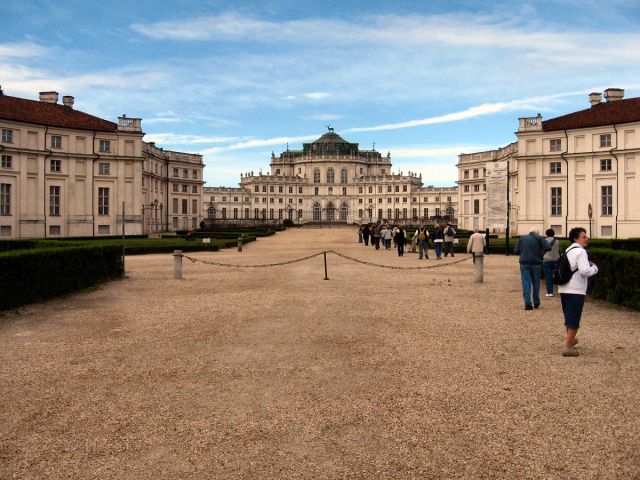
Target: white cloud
324,117
260,143
21,50
399,153
316,95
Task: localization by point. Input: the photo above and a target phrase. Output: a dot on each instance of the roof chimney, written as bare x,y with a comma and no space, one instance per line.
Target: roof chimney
49,97
613,94
595,98
68,100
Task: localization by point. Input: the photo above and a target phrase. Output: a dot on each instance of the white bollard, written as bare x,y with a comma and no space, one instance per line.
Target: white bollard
479,270
240,243
177,264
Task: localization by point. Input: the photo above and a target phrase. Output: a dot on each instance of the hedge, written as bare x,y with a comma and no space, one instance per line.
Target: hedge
31,275
618,278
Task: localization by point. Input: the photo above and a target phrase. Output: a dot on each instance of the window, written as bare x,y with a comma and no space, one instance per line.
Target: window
605,140
176,187
104,229
5,199
556,201
466,174
437,211
607,200
300,191
397,188
316,191
264,189
185,206
555,144
359,189
103,201
404,188
555,167
605,165
194,206
235,213
448,199
437,199
194,174
476,206
7,135
290,189
476,188
316,176
256,188
56,141
271,189
54,201
103,168
389,188
425,212
475,173
330,176
176,172
105,145
224,213
175,205
330,190
185,188
370,189
185,173
426,199
280,189
466,188
277,171
344,190
404,199
344,175
55,165
6,161
54,229
194,189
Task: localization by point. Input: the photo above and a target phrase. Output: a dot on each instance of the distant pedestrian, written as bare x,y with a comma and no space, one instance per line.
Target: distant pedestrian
377,231
531,247
400,240
422,238
476,244
449,235
365,234
573,293
438,240
388,235
550,259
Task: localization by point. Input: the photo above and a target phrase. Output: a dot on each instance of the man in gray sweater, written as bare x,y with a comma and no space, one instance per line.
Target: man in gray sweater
531,248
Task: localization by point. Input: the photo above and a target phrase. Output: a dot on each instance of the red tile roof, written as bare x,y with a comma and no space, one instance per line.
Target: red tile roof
608,113
52,114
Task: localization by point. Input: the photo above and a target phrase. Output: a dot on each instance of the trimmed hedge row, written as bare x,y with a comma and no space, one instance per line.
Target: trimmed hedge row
618,278
38,273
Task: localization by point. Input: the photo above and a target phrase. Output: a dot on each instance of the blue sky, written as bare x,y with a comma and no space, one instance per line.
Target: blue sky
425,80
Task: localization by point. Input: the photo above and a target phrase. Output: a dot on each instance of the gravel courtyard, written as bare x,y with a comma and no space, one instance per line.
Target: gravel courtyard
275,373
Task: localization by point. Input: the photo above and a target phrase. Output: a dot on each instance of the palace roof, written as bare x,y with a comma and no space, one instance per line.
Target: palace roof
51,114
606,113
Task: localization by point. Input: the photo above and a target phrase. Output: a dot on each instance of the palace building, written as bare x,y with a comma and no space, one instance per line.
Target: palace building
579,169
330,180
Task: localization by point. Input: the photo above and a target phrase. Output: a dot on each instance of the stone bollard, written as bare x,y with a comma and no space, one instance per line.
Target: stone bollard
360,237
479,268
240,243
177,264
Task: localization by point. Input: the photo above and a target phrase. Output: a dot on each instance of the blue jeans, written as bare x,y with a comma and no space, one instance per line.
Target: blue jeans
548,274
530,275
438,248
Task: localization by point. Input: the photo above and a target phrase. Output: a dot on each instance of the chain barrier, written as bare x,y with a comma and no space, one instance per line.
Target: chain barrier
308,257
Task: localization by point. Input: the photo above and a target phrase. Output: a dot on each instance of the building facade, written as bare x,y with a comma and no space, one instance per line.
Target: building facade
65,173
579,169
330,180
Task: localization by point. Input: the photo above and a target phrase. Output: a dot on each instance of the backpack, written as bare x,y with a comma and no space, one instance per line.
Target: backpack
562,273
450,232
422,235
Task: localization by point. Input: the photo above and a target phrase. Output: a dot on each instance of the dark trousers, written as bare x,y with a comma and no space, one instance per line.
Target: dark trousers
448,248
401,248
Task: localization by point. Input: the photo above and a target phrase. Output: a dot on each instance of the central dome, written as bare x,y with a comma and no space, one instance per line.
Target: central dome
331,137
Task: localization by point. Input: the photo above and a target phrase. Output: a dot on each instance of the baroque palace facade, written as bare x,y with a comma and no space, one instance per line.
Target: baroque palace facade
330,180
579,169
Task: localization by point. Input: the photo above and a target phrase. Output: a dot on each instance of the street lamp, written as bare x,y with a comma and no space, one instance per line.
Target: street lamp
153,206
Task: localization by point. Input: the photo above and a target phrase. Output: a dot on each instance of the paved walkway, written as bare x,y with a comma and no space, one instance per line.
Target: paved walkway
277,373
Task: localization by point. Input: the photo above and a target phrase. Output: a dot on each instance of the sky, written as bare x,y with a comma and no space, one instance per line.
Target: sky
235,81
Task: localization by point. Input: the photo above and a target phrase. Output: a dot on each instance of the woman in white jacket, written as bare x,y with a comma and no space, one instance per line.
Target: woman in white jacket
572,293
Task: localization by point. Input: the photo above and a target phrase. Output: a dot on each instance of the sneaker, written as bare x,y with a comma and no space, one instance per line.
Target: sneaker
528,307
549,295
570,352
575,341
536,305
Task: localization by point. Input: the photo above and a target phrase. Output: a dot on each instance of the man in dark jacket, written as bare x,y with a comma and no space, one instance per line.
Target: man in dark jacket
531,248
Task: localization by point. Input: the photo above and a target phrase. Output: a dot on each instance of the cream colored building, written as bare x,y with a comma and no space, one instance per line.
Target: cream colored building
65,173
330,180
563,167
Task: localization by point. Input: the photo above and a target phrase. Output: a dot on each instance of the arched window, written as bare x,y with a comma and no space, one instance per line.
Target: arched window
211,213
331,212
343,175
344,211
450,211
330,176
316,176
317,212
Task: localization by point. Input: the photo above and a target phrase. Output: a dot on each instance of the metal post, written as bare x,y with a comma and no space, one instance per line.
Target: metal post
486,236
479,267
177,264
325,266
240,243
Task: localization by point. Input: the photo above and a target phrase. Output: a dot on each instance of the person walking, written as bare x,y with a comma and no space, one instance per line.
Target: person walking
422,238
531,247
388,235
365,234
573,293
449,234
550,259
400,238
376,236
476,244
438,240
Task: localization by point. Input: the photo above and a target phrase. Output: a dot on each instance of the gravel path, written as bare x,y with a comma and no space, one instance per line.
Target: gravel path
276,373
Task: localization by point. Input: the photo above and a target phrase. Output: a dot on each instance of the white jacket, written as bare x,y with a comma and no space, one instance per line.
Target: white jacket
578,259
